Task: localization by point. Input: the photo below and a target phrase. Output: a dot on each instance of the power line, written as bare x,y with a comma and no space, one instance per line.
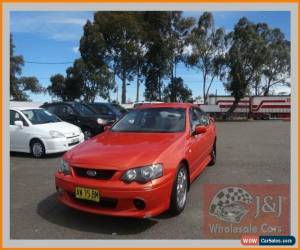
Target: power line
33,62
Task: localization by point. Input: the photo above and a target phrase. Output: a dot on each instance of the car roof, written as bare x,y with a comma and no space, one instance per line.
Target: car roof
101,103
167,105
24,108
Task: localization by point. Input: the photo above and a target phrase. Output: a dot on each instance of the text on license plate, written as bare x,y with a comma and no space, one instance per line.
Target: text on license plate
87,194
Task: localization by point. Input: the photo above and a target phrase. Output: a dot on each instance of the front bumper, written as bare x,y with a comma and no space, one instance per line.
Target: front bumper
57,145
117,198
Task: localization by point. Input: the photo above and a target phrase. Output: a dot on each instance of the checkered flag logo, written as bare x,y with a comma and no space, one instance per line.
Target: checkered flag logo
227,204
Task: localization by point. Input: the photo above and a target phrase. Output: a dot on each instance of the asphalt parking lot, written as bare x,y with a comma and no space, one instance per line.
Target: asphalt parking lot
247,153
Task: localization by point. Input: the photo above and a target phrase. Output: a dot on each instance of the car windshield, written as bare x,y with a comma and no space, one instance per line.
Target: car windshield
120,109
83,110
40,116
152,120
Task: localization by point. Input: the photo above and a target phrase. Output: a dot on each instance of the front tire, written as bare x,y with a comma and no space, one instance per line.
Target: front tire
179,191
213,155
37,148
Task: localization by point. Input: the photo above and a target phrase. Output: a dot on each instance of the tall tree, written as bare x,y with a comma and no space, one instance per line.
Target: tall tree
82,82
177,91
96,81
112,38
206,45
276,69
20,85
57,87
179,30
157,57
244,59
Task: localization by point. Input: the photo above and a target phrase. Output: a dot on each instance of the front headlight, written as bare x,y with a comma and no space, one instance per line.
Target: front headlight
143,174
64,168
101,121
56,134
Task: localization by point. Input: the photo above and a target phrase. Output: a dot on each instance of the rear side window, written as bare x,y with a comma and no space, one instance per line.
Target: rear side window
52,109
66,110
102,109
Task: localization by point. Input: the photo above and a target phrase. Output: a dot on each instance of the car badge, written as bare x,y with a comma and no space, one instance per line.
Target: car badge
91,173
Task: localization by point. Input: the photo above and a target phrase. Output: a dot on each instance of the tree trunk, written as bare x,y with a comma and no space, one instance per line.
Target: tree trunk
123,99
204,88
138,87
230,111
159,89
266,92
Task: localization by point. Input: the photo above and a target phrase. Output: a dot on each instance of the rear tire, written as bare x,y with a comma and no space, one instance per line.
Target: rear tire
179,191
213,155
37,148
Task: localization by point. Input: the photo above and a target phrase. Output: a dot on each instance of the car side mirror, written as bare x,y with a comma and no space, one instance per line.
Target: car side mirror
200,130
19,124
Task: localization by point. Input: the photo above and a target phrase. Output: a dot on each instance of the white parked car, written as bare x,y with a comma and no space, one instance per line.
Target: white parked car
36,131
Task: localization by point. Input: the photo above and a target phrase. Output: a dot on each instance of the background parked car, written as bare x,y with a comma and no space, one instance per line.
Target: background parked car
78,114
110,111
36,131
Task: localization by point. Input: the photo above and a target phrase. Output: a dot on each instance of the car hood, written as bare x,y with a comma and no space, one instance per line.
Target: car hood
120,151
66,128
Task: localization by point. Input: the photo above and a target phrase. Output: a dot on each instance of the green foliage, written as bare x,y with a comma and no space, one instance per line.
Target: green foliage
113,39
276,68
244,59
82,83
147,46
165,41
20,85
207,46
176,91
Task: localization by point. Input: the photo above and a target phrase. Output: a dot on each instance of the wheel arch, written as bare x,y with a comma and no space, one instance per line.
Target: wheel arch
34,138
187,166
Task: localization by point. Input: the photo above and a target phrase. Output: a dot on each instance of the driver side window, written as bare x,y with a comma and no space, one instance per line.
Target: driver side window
15,116
198,117
66,110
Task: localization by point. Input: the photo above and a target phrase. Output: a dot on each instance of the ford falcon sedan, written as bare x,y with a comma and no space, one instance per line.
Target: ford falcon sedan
141,166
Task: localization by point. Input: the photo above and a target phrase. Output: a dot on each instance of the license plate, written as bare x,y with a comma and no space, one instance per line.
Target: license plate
75,140
87,194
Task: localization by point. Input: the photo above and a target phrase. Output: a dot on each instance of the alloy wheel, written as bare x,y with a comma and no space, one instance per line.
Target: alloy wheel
181,188
37,149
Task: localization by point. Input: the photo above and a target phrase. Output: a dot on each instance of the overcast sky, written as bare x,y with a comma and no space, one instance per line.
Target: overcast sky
54,37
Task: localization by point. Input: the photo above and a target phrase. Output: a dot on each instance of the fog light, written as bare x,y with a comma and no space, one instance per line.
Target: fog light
139,204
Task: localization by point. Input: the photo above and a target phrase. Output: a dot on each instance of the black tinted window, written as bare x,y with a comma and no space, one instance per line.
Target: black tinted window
16,116
52,109
66,110
102,109
83,109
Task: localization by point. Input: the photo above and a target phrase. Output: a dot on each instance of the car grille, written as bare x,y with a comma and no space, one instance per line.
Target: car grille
101,174
73,143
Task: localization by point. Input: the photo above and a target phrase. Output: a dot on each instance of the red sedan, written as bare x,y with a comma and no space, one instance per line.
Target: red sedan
143,165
